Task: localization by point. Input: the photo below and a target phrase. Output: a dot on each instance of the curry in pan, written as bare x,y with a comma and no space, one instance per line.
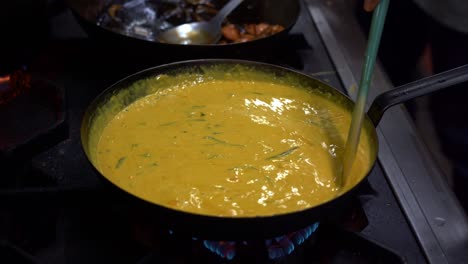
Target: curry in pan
229,146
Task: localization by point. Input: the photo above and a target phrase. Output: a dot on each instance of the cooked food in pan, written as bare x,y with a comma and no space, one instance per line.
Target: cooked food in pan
144,19
228,147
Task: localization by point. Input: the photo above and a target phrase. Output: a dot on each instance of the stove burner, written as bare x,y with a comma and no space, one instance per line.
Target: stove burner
32,114
277,247
14,84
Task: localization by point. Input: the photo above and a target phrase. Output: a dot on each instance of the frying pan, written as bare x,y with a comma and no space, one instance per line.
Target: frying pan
280,12
101,110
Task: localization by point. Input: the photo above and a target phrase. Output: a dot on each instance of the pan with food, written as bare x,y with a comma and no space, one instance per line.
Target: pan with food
134,24
230,149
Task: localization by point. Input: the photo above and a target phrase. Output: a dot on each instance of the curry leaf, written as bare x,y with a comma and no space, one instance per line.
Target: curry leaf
120,162
283,154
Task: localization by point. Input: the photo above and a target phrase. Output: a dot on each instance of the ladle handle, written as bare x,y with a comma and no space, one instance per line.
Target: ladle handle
415,89
221,15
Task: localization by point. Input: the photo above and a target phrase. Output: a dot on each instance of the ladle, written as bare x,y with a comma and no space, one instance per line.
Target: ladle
199,33
352,142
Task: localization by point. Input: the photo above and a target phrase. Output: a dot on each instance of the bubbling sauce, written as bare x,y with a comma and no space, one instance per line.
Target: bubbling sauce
230,148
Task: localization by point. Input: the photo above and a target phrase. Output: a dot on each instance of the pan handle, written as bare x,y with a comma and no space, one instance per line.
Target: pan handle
415,89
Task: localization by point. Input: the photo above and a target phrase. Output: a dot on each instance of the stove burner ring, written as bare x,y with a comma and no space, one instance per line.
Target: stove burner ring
277,247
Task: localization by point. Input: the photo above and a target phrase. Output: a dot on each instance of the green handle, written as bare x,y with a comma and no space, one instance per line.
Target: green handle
378,21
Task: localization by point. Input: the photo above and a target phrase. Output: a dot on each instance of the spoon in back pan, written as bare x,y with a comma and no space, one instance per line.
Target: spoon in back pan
199,33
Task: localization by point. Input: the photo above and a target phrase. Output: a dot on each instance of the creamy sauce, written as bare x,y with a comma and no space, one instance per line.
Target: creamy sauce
230,148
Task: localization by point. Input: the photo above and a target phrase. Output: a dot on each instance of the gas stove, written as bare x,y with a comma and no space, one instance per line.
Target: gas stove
53,209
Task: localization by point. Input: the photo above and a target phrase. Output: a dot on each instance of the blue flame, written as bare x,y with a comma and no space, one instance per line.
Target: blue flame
277,247
224,249
284,245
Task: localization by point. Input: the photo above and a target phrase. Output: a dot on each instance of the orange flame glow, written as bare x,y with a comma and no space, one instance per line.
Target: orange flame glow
4,79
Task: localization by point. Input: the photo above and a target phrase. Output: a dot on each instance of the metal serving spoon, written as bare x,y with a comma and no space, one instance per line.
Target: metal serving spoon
199,33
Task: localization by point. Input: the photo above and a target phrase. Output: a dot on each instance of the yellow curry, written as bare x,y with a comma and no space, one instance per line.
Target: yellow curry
230,148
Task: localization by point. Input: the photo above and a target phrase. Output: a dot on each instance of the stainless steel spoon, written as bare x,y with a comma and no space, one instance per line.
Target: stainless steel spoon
199,33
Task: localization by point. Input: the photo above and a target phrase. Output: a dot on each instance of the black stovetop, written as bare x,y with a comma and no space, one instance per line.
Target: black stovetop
52,209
